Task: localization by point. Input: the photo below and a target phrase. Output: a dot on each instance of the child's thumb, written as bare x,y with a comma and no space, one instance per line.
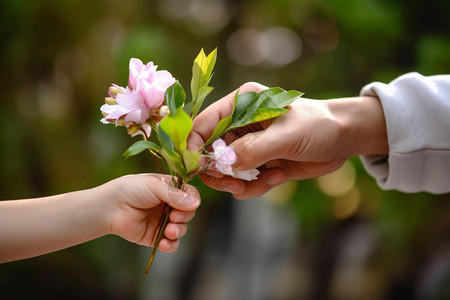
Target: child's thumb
182,200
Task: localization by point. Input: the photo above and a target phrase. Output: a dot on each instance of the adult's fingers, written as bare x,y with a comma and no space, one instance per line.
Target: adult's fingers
205,123
267,179
255,149
224,184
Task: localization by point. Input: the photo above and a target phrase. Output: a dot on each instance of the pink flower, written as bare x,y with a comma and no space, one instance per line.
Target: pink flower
134,106
151,84
126,108
224,156
129,108
138,71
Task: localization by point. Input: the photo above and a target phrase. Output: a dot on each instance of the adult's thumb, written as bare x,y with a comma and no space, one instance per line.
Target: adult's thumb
254,150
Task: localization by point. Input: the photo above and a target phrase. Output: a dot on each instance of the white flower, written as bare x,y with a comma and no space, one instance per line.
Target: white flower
246,175
224,157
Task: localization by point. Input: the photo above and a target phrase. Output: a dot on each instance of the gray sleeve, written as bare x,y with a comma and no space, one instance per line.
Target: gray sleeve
417,113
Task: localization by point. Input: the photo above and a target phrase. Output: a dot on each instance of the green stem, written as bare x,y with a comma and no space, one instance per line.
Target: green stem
159,237
165,220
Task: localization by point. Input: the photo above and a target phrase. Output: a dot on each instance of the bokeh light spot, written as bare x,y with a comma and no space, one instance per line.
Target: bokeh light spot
280,45
274,47
340,182
281,194
347,206
242,47
203,17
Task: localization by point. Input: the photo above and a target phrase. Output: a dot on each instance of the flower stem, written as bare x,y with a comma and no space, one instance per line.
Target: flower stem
159,166
159,237
179,183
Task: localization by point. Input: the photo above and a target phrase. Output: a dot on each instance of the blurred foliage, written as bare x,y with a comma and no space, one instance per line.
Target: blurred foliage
57,59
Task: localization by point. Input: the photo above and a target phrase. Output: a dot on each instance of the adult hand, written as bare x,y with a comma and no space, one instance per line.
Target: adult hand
314,138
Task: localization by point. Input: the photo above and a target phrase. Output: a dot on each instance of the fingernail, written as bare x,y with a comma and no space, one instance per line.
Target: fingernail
177,233
274,179
186,201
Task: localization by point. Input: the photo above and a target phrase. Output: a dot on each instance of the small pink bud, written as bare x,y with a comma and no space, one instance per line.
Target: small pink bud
110,101
164,111
114,90
133,129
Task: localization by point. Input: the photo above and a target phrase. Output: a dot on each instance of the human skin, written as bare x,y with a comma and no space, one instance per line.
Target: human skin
130,207
314,138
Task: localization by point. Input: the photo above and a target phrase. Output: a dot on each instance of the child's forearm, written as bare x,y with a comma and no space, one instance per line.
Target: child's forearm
33,227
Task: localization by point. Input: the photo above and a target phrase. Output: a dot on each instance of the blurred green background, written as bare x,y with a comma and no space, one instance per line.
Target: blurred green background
336,237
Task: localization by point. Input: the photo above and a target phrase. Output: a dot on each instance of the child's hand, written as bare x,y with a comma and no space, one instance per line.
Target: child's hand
135,205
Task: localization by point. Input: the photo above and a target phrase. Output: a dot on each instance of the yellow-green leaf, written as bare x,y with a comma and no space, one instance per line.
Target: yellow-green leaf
191,160
174,161
177,127
201,76
220,129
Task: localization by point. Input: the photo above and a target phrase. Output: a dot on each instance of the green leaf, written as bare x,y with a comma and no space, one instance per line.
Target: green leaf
248,104
201,76
263,99
261,114
174,161
164,138
220,129
175,97
188,107
210,62
266,94
242,103
202,93
260,98
191,160
267,113
235,101
282,99
140,146
177,127
202,70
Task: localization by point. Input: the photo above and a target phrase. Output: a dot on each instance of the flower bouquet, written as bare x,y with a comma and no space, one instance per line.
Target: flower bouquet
154,101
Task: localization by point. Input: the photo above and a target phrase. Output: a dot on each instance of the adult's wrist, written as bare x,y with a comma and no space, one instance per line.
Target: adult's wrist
363,127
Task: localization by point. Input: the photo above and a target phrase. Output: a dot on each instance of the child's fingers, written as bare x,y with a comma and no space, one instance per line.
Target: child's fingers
175,231
169,246
178,216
